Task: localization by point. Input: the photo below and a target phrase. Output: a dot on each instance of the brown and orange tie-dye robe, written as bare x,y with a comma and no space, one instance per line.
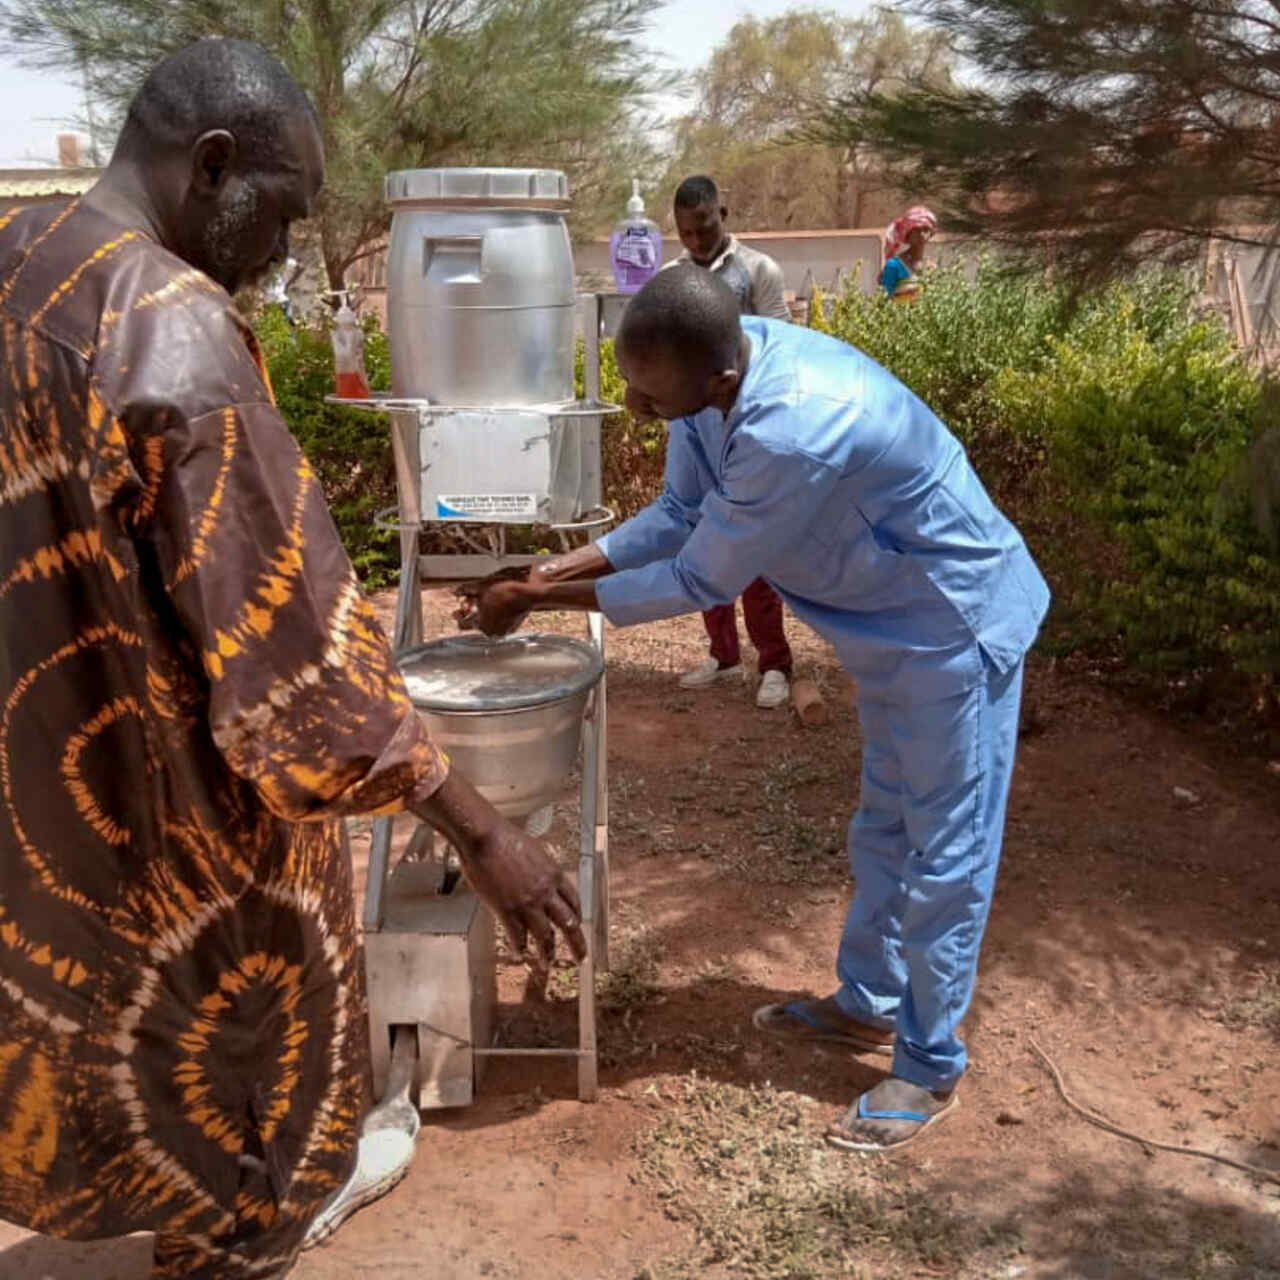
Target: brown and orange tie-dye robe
192,693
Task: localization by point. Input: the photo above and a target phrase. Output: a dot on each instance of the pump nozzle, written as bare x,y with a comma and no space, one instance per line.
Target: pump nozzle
635,206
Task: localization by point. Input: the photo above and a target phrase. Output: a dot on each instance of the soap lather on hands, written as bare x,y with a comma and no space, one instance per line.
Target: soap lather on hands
498,605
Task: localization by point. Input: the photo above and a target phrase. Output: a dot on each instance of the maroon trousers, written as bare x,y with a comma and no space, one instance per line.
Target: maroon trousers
762,608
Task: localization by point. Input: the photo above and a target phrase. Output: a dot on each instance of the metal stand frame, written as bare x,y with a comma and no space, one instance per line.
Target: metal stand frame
593,847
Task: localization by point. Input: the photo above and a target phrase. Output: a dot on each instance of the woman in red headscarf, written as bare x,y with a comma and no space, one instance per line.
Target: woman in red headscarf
904,242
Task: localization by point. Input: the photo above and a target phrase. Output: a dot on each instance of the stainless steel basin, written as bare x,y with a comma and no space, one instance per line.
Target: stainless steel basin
508,712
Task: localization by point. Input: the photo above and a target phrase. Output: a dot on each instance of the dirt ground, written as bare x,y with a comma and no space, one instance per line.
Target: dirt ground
1134,937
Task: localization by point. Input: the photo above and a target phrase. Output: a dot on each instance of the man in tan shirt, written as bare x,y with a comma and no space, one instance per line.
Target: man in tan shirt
756,281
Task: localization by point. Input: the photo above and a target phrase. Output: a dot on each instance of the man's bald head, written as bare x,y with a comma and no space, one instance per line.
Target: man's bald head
686,313
680,338
216,84
226,150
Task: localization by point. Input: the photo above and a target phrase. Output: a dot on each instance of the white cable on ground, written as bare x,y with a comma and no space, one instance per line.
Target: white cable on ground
1103,1123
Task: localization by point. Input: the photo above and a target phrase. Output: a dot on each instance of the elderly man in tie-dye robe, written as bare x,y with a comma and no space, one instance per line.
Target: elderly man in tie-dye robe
192,695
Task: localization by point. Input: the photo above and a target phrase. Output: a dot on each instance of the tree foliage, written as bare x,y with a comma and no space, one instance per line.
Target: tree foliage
765,82
396,83
1109,130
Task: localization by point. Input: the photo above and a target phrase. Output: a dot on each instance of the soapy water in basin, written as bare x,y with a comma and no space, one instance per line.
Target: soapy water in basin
473,673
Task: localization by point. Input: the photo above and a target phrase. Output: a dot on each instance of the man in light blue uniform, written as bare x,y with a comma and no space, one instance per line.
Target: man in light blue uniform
795,457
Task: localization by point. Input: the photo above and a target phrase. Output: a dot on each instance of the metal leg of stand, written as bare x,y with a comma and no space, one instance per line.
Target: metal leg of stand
588,891
407,633
408,625
589,313
588,1068
600,729
379,864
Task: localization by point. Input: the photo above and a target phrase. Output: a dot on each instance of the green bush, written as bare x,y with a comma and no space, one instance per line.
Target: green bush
1123,434
1146,434
1111,430
349,449
632,453
950,344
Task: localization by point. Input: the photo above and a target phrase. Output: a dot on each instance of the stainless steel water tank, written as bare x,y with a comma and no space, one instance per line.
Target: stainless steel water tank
480,286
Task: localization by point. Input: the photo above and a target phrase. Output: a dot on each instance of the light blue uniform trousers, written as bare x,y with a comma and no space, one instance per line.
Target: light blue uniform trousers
924,847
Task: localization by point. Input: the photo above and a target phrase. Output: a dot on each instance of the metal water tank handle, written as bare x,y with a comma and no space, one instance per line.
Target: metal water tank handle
448,249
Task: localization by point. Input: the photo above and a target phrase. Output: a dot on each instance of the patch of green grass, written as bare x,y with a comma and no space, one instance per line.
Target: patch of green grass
747,1170
633,978
1260,1008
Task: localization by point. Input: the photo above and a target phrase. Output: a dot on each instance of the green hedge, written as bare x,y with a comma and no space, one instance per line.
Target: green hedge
633,453
1115,431
349,449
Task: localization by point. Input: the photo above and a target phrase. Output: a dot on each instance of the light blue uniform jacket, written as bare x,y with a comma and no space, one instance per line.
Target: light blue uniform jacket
844,491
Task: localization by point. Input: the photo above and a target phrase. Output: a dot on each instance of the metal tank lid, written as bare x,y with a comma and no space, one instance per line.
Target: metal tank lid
475,673
489,188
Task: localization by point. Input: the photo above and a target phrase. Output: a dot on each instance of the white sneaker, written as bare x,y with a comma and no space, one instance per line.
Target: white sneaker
383,1159
385,1150
707,673
774,689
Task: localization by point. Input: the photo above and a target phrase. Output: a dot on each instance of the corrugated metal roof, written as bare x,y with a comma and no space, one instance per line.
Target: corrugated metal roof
35,184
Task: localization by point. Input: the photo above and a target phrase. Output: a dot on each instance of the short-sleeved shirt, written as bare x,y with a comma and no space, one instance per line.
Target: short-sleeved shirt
755,278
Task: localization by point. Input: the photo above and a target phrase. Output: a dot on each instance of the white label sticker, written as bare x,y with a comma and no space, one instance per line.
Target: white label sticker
487,506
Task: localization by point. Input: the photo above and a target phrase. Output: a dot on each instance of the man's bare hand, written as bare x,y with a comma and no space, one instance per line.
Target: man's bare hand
513,573
510,870
496,605
527,891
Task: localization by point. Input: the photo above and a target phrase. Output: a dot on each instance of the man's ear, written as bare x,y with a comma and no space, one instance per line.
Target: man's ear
723,385
211,160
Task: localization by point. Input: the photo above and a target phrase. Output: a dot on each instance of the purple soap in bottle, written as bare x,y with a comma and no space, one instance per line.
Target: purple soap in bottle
635,248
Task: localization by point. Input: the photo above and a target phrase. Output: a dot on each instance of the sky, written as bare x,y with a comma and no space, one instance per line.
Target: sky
684,32
35,105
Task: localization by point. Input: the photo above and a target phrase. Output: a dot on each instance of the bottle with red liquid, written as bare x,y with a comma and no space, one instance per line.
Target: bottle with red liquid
348,353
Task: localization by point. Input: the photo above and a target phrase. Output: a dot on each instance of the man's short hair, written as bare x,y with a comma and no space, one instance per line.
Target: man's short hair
694,192
686,314
216,84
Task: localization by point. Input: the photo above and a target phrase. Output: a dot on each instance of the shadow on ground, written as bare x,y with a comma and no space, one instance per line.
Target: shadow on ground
39,1258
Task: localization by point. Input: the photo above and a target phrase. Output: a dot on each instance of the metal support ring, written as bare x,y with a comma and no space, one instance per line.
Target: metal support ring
388,520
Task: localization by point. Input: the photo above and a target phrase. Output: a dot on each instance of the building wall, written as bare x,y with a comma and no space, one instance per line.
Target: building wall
823,259
22,187
828,259
806,257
